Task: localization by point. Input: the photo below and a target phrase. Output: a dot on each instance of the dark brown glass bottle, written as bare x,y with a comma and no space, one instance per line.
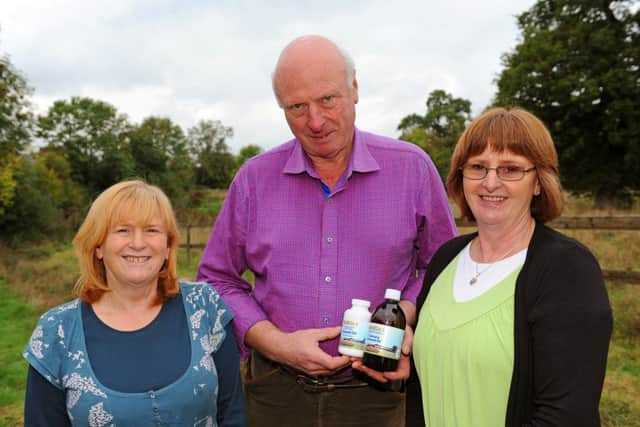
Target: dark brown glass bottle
386,330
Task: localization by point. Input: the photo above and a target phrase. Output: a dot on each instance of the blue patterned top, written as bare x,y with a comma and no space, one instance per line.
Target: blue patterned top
57,351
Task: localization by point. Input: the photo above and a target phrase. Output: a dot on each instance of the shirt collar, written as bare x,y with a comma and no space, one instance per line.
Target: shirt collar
361,159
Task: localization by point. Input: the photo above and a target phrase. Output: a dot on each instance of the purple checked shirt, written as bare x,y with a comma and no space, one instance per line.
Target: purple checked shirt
311,254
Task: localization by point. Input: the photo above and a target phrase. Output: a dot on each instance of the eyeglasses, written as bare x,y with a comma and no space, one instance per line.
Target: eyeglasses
505,173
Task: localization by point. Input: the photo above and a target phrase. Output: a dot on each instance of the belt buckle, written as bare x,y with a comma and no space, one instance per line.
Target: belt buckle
313,384
320,384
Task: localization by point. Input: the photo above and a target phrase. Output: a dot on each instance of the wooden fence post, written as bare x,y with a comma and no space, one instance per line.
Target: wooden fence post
189,244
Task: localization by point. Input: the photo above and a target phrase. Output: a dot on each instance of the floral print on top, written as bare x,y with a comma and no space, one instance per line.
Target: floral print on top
57,351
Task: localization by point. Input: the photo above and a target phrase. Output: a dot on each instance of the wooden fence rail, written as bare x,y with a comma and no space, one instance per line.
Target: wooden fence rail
567,223
583,223
623,276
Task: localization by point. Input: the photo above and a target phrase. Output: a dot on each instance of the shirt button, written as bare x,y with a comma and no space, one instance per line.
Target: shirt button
156,410
325,320
152,395
329,239
329,200
327,279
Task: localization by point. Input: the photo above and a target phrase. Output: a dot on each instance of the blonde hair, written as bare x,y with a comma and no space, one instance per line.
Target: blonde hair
520,132
127,200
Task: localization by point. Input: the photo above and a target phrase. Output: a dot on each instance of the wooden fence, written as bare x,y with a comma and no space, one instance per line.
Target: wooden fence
567,223
584,223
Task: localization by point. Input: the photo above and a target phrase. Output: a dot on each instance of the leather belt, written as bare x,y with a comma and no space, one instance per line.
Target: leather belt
309,383
317,384
320,384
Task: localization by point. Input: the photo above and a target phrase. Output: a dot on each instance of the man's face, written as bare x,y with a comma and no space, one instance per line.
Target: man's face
319,104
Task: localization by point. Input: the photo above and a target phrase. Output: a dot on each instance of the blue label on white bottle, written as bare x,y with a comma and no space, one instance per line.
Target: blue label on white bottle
354,334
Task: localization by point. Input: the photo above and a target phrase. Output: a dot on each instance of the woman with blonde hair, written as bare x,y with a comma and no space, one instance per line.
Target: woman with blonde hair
514,319
138,347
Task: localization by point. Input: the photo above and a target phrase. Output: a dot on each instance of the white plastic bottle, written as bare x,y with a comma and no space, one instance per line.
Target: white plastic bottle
355,326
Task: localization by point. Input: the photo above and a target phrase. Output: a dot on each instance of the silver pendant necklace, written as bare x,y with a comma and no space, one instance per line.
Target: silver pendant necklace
474,279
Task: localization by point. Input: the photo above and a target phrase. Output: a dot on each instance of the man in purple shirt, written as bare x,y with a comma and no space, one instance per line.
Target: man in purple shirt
334,214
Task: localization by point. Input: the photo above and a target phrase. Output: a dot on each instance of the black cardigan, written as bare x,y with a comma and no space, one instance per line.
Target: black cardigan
562,328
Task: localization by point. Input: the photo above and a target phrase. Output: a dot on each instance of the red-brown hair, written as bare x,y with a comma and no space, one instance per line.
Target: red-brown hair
520,132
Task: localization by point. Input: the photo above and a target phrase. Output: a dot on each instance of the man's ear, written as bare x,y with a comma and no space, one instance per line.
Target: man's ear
354,88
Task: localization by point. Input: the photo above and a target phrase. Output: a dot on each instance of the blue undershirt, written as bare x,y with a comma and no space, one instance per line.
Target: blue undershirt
147,359
326,191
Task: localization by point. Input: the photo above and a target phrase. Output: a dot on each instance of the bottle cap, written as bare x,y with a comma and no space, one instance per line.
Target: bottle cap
360,302
393,294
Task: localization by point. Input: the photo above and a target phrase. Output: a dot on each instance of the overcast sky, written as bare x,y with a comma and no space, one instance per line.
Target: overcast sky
194,59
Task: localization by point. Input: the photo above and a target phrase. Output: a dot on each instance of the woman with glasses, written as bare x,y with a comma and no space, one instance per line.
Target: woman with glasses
514,319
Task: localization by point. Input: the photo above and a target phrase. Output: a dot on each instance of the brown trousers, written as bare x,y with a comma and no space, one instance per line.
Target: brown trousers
275,397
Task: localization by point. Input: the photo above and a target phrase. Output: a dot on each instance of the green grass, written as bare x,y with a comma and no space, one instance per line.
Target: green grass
188,270
210,207
620,405
17,320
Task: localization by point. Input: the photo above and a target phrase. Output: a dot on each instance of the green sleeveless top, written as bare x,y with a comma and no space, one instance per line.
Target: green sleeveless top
464,353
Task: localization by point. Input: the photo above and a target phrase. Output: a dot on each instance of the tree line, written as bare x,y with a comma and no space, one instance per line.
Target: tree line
84,146
576,65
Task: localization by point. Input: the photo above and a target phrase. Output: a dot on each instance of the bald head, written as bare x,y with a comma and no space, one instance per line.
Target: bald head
310,52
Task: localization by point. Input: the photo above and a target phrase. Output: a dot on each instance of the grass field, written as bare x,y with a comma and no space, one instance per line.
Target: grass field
17,319
36,278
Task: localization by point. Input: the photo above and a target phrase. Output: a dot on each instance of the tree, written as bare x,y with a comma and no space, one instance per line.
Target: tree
153,143
16,126
214,162
578,69
67,195
437,132
245,154
161,156
33,214
93,137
